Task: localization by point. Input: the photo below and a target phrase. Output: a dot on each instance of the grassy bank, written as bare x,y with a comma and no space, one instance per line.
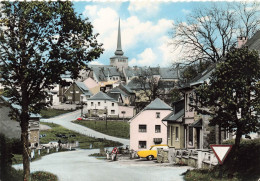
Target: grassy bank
238,166
84,141
48,113
114,128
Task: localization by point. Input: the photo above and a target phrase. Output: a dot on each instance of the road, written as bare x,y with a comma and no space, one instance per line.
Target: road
78,166
65,121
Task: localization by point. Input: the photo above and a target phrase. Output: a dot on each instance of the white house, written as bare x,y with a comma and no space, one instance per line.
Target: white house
147,128
101,102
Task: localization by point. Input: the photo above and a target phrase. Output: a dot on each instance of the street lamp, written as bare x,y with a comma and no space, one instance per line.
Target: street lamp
106,116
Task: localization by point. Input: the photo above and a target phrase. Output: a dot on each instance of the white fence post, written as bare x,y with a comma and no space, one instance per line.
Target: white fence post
199,158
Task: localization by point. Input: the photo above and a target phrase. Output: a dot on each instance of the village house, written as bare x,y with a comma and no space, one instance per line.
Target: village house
175,127
101,105
147,127
11,128
77,93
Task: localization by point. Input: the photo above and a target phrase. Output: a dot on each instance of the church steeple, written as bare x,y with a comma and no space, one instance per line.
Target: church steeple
119,51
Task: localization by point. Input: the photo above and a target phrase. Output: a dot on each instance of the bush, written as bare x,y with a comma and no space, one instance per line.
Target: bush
42,176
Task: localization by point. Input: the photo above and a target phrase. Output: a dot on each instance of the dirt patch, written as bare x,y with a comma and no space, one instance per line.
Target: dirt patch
44,127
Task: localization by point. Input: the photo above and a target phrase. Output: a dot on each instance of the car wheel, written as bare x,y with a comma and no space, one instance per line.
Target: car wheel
150,157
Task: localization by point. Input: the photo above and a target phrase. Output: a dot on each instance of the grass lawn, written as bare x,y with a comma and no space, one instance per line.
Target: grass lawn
48,113
114,128
84,141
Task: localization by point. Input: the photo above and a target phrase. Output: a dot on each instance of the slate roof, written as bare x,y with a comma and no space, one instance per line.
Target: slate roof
165,73
172,117
18,107
117,90
197,124
135,85
115,96
103,71
168,73
254,42
101,96
126,89
158,104
83,88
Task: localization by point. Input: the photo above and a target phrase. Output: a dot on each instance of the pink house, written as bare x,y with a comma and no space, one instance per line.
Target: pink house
147,128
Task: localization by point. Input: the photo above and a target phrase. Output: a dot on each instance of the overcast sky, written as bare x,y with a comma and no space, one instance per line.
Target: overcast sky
145,28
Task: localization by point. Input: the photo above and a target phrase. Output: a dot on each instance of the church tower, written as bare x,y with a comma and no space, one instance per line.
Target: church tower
119,60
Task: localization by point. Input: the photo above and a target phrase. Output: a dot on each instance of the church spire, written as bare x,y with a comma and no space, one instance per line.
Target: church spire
119,51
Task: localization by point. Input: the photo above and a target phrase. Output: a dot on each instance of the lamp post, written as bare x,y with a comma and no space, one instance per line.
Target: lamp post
106,116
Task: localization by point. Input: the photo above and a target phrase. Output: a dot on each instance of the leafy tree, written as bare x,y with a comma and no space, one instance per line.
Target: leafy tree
232,96
194,69
208,33
39,42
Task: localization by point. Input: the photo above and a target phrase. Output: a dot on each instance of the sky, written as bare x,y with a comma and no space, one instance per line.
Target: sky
145,28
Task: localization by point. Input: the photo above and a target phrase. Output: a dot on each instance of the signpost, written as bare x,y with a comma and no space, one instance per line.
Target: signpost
221,152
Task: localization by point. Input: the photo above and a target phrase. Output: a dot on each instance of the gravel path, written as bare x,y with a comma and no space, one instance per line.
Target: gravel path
65,121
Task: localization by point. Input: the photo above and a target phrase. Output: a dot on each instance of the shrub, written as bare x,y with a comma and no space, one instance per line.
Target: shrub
42,176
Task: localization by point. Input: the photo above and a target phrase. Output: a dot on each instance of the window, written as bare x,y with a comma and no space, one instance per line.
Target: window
226,134
157,115
71,92
191,135
157,141
112,111
177,133
92,103
98,103
186,102
69,97
142,144
142,128
77,92
113,104
157,128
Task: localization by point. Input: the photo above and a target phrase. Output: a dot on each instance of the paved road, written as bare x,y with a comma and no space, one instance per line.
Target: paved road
78,166
65,121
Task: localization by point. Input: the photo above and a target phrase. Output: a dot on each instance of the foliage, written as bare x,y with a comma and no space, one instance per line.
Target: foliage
192,70
84,141
247,169
176,95
151,86
114,128
48,113
5,157
42,176
233,89
209,32
41,41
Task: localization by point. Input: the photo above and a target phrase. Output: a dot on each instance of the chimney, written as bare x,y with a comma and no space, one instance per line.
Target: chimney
241,41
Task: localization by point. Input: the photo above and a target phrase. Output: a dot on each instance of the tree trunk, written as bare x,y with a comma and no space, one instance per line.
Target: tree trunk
238,139
25,143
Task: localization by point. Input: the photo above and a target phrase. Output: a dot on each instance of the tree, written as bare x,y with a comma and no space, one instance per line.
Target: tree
232,97
151,85
208,33
39,42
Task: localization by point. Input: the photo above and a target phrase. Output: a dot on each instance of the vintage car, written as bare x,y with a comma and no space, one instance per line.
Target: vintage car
151,153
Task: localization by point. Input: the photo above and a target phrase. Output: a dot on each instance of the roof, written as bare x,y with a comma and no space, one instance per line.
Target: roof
83,88
104,71
158,104
101,96
115,96
172,117
134,84
18,107
254,41
90,83
117,90
168,73
197,124
126,89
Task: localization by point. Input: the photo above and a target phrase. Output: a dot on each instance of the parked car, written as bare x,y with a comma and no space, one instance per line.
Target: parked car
151,153
51,144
